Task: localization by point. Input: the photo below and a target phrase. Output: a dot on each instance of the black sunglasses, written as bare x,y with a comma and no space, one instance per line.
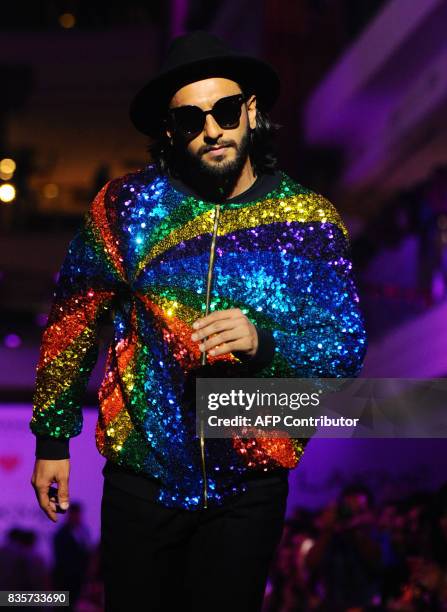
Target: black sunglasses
189,120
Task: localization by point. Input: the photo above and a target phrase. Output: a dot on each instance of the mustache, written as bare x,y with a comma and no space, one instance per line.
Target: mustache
207,148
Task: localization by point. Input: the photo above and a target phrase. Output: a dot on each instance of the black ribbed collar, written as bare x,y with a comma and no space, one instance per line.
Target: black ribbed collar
263,184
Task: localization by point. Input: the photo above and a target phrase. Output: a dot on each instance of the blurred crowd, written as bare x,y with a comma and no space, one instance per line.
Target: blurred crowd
353,555
75,565
356,556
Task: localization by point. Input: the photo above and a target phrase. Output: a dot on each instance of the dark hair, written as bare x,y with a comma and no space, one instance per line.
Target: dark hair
262,151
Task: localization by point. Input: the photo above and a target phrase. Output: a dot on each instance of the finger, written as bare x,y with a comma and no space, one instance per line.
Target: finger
62,493
53,501
238,334
219,326
229,347
217,315
44,502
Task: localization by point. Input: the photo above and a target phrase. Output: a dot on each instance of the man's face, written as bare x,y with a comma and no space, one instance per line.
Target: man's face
234,143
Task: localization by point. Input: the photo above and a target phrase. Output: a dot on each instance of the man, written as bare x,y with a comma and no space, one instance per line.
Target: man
213,263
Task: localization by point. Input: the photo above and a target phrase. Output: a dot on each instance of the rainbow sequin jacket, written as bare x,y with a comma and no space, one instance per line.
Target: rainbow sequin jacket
141,257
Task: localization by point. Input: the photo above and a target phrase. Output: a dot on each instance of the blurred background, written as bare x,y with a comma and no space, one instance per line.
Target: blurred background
364,115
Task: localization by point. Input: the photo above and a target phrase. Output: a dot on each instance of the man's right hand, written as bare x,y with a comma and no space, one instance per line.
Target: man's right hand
46,472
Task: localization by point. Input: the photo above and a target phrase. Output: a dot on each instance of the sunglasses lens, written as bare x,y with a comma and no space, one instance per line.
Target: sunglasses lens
227,112
188,119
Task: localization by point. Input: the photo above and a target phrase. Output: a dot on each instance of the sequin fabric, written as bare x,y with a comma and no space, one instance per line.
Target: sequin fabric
140,257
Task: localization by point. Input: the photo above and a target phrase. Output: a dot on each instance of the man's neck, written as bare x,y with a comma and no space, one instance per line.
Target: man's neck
210,191
244,182
265,183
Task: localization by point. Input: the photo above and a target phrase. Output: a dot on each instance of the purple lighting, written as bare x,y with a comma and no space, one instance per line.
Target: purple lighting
12,341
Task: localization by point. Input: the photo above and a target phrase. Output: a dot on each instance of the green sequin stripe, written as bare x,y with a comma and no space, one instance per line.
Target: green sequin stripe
278,368
177,294
299,444
195,301
135,450
135,390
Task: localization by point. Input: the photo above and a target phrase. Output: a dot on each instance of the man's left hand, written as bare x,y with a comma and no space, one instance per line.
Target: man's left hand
230,330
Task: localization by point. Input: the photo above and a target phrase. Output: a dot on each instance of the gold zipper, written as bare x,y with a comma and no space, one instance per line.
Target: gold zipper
203,357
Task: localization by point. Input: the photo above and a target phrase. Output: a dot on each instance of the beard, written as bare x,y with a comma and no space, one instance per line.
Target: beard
216,179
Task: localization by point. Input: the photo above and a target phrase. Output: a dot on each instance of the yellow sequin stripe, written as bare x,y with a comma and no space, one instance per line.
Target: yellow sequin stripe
174,308
63,371
128,377
303,208
117,431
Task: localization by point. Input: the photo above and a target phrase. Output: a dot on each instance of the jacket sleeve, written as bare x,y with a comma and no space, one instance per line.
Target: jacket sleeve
322,332
84,292
264,355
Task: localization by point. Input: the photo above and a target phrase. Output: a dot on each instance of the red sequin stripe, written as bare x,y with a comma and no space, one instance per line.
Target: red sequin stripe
266,452
113,403
100,435
75,315
109,394
111,243
108,382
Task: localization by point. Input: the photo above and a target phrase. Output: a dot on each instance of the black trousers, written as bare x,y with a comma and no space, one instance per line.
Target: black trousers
210,560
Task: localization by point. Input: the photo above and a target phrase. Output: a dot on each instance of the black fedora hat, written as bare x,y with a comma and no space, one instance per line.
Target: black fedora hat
192,57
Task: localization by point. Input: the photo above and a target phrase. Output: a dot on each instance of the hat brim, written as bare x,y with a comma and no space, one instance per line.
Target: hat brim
150,103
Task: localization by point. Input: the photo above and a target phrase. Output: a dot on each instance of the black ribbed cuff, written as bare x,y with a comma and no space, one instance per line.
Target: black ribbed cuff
265,353
52,448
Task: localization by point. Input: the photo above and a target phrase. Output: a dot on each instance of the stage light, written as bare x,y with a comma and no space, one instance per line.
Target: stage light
67,20
7,192
7,166
51,190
